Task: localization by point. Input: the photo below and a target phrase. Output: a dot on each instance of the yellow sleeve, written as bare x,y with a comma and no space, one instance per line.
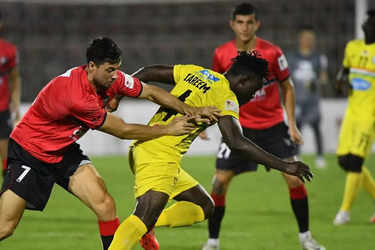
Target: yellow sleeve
227,103
346,61
177,69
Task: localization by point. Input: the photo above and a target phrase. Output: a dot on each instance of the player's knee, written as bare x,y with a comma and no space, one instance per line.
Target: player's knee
220,184
105,207
350,163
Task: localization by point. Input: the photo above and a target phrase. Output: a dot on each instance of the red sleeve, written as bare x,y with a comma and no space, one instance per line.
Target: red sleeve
125,85
280,65
88,111
216,63
12,57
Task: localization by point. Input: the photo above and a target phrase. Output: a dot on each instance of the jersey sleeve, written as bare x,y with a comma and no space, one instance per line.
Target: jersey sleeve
177,72
12,58
88,111
216,62
280,65
126,85
226,101
346,61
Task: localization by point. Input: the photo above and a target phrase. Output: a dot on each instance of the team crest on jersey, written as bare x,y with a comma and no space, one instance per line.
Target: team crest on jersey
129,81
231,106
283,63
206,74
3,60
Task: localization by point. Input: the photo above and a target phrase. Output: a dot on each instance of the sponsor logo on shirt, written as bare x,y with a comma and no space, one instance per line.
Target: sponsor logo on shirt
129,81
206,74
360,84
283,63
231,106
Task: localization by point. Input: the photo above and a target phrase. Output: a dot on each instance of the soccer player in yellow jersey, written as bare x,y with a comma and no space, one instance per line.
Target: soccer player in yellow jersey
357,130
156,163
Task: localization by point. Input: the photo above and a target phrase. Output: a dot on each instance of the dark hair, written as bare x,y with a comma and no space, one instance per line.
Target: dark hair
103,49
243,9
306,27
371,13
249,63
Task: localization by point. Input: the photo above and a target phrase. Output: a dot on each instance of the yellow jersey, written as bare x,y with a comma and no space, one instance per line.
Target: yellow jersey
360,59
196,86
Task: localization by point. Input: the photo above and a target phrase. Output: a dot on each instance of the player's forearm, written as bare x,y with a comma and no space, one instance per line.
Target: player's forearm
165,99
252,152
289,102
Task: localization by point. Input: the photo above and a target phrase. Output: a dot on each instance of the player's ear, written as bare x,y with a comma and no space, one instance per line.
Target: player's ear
91,65
257,25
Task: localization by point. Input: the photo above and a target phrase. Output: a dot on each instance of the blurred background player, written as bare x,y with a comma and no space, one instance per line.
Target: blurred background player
262,122
10,92
309,70
156,163
357,129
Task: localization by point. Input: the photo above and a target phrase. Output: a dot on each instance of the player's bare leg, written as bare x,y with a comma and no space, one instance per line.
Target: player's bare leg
220,188
90,188
300,206
4,153
12,207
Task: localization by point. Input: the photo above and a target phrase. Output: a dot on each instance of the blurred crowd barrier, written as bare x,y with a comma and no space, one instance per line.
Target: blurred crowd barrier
52,37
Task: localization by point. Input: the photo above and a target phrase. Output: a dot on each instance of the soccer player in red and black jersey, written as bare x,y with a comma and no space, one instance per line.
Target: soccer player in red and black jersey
10,92
262,122
43,149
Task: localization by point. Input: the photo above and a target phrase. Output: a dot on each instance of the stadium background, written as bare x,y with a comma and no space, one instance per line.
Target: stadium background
52,37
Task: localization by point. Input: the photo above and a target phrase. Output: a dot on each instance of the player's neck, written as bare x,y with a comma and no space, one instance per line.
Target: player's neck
306,51
246,45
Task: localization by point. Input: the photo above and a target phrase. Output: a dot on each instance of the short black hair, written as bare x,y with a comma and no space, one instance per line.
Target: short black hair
243,9
306,27
249,62
371,13
103,49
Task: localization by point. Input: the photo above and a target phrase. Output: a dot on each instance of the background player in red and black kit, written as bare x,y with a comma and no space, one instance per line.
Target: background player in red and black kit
262,122
10,92
42,148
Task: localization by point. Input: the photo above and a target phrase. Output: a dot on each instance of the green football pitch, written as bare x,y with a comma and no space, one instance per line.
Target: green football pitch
258,216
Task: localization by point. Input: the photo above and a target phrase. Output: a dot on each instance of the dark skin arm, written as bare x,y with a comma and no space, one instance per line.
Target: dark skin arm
233,137
342,81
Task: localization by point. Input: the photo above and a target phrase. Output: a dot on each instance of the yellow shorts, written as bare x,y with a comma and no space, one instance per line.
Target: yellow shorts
356,136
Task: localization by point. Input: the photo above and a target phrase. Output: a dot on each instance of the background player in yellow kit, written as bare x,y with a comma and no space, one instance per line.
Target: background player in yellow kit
156,163
358,128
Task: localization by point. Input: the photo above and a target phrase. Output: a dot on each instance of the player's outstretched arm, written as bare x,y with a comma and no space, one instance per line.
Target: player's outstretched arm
164,74
115,126
232,135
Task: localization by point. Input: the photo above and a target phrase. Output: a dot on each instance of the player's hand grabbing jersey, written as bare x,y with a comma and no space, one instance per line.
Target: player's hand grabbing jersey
197,87
64,110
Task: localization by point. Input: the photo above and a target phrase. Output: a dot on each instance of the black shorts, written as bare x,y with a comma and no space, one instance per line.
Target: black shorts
275,140
6,124
33,179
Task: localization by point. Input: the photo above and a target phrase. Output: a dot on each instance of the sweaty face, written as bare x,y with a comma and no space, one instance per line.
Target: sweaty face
244,27
246,87
105,74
